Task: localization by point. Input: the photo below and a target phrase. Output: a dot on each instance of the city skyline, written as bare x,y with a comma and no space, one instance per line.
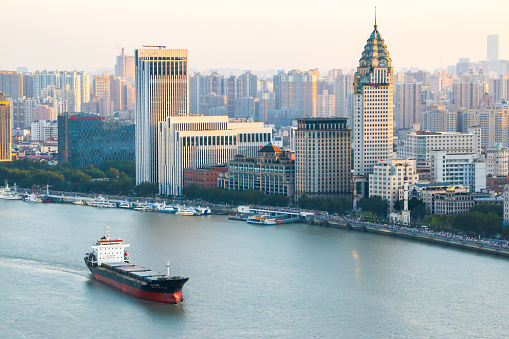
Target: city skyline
330,40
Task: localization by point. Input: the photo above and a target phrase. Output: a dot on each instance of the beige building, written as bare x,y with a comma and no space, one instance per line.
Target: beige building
438,119
5,129
195,141
373,111
389,176
322,157
497,161
161,92
326,105
296,90
408,103
271,171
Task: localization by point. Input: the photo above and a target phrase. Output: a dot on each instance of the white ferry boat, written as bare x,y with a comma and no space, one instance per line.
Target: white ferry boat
32,198
202,211
166,208
263,219
126,204
101,202
8,193
185,211
78,202
143,208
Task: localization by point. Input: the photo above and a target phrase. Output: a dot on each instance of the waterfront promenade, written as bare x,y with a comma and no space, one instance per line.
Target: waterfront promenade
492,246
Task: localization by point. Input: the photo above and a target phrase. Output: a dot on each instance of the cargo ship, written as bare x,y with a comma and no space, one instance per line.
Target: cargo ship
110,264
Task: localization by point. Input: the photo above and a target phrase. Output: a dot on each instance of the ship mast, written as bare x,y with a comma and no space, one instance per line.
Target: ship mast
168,268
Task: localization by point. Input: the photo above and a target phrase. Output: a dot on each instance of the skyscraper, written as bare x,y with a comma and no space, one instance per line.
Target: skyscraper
5,129
296,90
161,92
373,111
492,48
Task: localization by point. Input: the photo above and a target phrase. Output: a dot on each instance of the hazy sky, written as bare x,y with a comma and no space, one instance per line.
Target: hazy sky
247,34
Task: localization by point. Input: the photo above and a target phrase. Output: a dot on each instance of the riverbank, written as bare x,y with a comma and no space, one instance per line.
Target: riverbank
414,235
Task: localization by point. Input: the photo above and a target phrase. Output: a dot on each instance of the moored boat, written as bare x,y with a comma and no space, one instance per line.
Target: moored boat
185,211
32,198
202,210
110,264
263,219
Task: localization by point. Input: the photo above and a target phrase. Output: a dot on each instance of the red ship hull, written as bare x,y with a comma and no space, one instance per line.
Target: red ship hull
167,298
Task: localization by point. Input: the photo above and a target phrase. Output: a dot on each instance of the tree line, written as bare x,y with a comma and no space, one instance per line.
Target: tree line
234,197
111,177
483,219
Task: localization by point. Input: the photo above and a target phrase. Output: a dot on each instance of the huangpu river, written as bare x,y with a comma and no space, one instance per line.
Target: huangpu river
246,281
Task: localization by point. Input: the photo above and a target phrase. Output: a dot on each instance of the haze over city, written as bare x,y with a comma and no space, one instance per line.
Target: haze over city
256,35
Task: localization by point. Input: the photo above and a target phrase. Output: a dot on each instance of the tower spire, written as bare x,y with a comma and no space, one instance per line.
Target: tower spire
375,19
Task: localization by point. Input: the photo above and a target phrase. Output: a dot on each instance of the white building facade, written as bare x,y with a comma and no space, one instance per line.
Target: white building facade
389,176
191,142
418,144
458,169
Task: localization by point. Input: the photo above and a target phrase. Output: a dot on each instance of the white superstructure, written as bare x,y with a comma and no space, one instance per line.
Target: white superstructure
110,251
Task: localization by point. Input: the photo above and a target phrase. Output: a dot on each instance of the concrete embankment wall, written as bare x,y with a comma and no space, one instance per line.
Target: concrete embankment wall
410,235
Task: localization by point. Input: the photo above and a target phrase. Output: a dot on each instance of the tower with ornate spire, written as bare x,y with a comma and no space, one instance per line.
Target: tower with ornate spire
373,111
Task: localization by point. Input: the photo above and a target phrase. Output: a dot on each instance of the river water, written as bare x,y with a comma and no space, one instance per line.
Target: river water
289,281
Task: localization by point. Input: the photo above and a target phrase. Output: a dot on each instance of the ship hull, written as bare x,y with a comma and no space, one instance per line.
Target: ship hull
169,292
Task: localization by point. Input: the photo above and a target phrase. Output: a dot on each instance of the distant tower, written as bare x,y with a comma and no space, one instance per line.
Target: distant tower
5,129
161,92
492,50
373,111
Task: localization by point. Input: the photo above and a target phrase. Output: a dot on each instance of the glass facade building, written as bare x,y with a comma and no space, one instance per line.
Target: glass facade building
88,139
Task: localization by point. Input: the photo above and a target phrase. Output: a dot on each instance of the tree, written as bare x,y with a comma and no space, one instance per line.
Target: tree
376,205
146,189
113,173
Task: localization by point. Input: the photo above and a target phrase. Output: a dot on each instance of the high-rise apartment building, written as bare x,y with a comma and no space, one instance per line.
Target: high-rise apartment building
407,97
322,157
343,91
249,84
124,68
439,119
11,84
5,129
467,94
326,105
161,92
373,111
296,90
492,48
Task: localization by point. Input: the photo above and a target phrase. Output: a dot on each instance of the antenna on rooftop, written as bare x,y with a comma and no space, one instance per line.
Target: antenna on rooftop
155,46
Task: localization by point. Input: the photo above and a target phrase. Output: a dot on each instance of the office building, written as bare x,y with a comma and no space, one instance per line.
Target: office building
271,171
161,92
419,144
373,111
194,141
322,157
42,130
89,139
389,176
458,169
5,129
